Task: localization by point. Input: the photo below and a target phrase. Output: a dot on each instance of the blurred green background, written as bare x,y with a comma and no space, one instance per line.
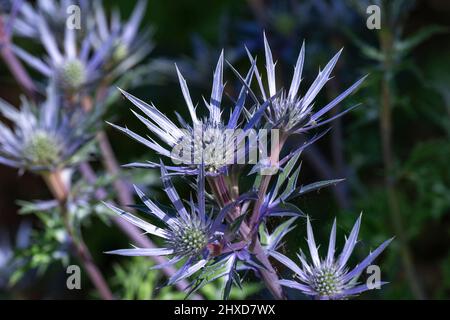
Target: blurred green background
404,194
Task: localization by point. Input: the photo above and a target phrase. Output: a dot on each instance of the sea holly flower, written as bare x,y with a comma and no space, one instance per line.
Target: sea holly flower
129,46
329,278
292,112
210,140
42,137
71,66
190,234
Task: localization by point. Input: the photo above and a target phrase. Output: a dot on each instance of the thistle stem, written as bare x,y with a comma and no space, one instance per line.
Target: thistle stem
337,149
386,41
56,185
123,189
265,181
268,274
60,192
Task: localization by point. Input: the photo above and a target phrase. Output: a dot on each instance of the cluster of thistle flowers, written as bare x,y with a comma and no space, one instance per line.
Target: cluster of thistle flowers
51,134
47,136
81,65
110,48
224,232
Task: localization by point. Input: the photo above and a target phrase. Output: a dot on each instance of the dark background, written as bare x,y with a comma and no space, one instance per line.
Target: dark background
193,32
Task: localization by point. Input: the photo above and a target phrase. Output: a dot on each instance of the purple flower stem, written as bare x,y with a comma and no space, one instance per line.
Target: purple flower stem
387,45
60,192
268,274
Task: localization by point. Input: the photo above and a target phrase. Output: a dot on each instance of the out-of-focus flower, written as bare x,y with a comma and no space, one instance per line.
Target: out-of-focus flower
292,112
211,140
329,278
42,138
54,12
8,263
129,45
188,235
71,66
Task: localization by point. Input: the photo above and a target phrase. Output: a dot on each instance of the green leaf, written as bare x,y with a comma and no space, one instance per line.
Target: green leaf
286,209
292,182
236,224
133,279
230,276
27,207
285,173
279,232
313,187
83,153
213,272
409,43
366,49
263,234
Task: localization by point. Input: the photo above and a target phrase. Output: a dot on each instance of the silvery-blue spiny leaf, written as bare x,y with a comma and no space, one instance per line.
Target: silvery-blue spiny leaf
328,278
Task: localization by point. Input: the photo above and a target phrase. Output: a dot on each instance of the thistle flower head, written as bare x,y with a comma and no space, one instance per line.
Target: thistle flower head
43,149
188,238
327,281
187,234
210,140
72,73
41,138
329,278
213,147
120,51
130,46
210,143
289,112
292,112
74,64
